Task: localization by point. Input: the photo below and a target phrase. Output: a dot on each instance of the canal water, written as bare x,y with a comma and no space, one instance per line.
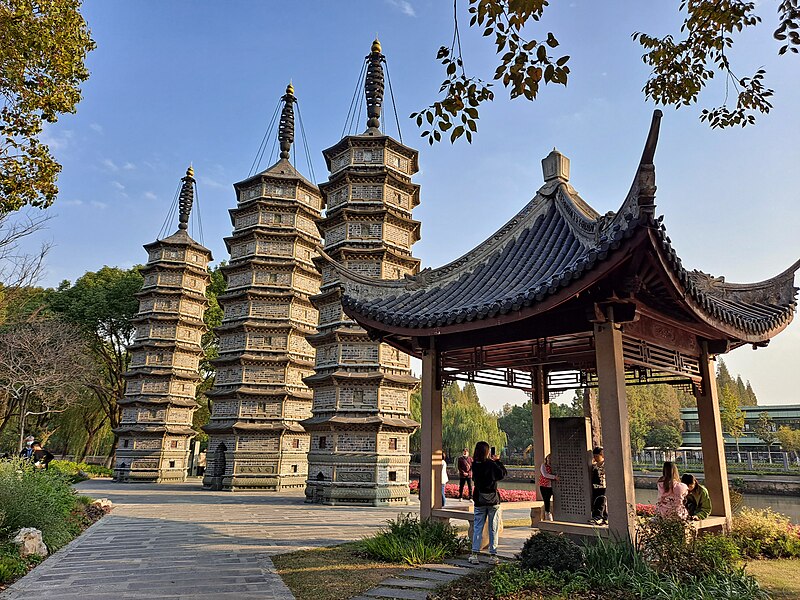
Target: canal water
787,505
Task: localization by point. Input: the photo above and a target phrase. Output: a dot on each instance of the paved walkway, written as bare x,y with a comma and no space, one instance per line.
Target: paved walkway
178,541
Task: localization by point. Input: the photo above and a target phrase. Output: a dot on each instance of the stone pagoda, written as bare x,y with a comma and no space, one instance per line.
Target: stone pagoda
259,398
156,421
361,423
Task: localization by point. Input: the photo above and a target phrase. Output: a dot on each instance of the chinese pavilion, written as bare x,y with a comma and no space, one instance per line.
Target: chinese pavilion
156,421
562,297
361,421
255,439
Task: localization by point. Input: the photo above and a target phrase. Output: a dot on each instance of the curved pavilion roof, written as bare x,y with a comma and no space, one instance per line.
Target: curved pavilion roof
556,247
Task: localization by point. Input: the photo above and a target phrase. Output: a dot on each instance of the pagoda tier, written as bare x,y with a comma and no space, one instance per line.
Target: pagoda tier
259,398
361,422
159,403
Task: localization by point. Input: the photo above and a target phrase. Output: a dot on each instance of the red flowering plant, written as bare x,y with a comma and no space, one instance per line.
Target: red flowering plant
451,491
645,510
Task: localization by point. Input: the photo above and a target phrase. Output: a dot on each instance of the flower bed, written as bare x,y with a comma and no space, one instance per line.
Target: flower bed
451,491
645,510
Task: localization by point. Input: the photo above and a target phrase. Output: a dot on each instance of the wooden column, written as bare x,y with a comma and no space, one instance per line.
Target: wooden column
430,476
616,436
540,413
712,441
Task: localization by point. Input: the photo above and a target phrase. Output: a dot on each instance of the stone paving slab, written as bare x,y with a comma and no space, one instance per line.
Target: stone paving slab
385,592
177,541
419,574
410,583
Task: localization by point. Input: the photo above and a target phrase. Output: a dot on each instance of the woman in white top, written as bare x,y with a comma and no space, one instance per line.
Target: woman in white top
444,475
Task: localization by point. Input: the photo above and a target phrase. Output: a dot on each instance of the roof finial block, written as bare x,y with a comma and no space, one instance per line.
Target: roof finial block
555,166
376,45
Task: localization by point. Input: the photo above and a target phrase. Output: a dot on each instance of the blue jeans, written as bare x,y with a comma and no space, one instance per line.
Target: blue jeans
444,497
482,513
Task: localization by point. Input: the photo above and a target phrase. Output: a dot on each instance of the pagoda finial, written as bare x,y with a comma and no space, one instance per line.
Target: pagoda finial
286,124
186,199
373,85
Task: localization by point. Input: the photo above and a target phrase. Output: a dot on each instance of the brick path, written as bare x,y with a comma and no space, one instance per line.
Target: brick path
178,541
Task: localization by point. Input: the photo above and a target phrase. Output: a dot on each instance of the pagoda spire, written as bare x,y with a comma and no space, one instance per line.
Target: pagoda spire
186,199
286,124
374,85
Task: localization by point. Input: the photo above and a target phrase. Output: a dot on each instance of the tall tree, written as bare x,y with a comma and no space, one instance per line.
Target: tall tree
19,268
103,304
517,424
42,365
731,415
765,430
790,440
681,65
43,46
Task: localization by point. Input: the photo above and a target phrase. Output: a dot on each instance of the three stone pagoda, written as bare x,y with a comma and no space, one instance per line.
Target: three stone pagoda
259,398
361,421
159,403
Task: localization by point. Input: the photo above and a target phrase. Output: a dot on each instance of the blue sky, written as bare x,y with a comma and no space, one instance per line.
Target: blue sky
179,82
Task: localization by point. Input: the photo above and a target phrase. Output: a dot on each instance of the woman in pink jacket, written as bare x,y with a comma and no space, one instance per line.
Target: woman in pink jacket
671,493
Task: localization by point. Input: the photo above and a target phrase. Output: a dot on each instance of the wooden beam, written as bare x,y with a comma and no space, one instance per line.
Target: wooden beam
712,441
616,437
430,477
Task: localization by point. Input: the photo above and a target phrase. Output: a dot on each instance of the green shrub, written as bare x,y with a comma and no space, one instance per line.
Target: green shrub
510,578
36,498
545,550
407,539
713,552
618,570
79,471
765,534
11,567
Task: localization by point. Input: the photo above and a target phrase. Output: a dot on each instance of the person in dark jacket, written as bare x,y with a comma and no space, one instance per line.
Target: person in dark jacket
599,504
27,451
486,472
41,458
697,501
464,465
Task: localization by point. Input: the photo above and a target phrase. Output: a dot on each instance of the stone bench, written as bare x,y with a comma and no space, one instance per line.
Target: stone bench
466,513
710,525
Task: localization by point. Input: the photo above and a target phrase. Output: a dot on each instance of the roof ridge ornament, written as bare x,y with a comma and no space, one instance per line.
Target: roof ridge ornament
646,173
186,199
286,123
374,85
555,166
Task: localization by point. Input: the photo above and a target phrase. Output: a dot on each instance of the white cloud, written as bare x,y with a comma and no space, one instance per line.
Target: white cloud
56,141
98,204
404,6
110,164
129,166
212,183
150,196
96,127
118,185
70,203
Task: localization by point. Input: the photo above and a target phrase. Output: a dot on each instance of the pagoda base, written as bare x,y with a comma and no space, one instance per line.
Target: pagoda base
350,494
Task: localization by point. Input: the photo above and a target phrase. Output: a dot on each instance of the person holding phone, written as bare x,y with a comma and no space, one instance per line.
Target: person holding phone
487,470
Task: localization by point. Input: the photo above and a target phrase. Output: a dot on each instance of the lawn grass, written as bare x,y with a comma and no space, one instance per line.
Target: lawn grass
780,577
331,573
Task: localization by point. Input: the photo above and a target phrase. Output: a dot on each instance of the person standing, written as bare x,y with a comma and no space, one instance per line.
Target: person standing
546,480
487,470
27,451
599,504
671,493
444,476
697,501
464,466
